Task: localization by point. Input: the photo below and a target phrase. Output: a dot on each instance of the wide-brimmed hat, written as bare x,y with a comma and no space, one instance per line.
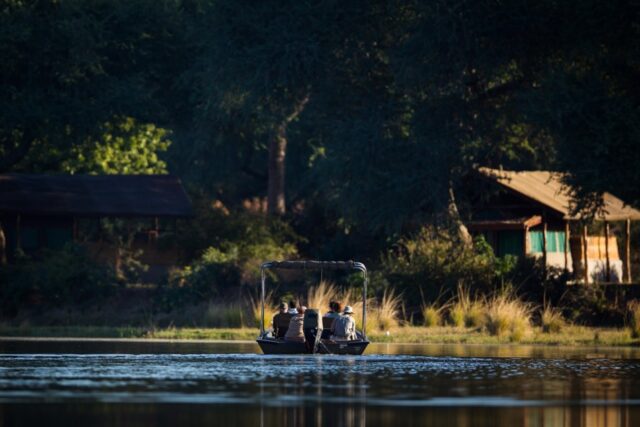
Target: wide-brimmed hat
348,310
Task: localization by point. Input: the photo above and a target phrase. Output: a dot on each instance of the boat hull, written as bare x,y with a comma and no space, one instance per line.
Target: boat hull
275,346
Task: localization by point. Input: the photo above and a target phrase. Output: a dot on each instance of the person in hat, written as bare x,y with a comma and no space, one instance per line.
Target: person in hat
344,327
295,332
281,320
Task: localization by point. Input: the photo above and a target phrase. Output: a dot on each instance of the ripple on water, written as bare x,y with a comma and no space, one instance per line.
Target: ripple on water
287,380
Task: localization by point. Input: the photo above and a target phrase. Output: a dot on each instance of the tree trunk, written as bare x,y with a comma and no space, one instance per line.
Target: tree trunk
277,156
454,216
276,170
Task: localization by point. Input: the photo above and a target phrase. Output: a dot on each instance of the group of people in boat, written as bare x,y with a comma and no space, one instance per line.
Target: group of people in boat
338,324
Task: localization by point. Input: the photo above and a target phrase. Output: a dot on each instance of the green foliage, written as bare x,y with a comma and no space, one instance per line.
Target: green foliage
67,276
436,263
125,147
228,251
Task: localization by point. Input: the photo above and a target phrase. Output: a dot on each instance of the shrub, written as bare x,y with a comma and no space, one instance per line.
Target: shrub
434,256
57,277
552,320
507,315
633,312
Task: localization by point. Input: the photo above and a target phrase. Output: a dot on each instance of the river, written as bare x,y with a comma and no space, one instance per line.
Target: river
124,382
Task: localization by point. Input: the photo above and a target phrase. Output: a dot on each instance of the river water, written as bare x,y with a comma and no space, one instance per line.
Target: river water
111,382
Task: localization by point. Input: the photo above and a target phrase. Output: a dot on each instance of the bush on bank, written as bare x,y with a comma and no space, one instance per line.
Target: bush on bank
67,276
433,263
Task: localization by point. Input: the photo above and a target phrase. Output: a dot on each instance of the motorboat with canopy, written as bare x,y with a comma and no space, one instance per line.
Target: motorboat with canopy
317,344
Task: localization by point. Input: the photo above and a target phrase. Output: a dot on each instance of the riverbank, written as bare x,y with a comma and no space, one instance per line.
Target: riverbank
569,336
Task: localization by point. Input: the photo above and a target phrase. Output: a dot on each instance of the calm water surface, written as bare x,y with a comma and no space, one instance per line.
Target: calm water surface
166,383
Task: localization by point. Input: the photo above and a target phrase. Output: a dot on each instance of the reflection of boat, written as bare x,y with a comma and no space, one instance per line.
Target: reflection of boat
272,345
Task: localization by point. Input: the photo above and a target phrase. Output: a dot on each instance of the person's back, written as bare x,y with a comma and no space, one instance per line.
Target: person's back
281,323
296,327
344,327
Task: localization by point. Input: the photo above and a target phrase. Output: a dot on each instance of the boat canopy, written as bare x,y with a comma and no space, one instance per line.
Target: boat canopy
316,265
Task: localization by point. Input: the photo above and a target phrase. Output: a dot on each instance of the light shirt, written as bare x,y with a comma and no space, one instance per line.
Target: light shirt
295,331
344,328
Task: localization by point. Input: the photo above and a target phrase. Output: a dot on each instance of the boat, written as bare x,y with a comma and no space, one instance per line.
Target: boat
269,344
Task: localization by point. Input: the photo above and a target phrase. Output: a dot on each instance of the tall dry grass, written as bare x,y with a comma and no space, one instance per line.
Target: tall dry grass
432,315
506,315
255,308
467,312
319,296
387,310
552,320
224,315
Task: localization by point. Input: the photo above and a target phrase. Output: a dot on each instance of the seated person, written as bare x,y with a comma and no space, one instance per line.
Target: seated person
281,321
334,310
295,333
329,319
344,327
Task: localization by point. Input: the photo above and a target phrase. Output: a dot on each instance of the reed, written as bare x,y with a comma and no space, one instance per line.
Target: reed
255,308
508,316
552,320
223,315
318,297
475,315
432,315
466,312
387,310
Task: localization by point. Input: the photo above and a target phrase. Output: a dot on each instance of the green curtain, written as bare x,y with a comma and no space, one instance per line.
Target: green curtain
555,241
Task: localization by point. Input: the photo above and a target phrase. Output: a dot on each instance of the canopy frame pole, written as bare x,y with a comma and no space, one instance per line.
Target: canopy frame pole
627,250
606,252
364,305
263,278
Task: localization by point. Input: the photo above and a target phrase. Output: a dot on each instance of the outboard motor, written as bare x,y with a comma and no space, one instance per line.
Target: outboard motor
312,328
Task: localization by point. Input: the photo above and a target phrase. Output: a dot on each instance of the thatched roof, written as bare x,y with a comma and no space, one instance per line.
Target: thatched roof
547,188
94,195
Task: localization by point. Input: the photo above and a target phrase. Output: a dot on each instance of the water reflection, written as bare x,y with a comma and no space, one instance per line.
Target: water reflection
173,385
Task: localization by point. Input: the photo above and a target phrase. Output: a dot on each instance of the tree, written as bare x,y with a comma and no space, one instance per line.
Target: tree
126,147
260,61
70,67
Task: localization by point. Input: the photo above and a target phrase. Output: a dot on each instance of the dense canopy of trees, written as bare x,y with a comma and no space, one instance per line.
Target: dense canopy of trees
365,115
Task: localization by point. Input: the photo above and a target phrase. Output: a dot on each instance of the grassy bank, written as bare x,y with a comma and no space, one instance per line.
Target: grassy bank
571,335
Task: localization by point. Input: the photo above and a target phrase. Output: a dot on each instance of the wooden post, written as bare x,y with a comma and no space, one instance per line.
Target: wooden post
525,243
566,246
544,248
585,248
544,263
606,252
627,250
